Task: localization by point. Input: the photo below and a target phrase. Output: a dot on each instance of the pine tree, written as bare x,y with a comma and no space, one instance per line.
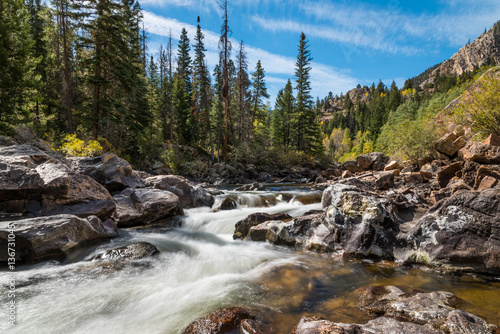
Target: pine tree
201,91
39,52
395,97
224,58
259,92
242,92
16,64
282,117
182,99
218,109
307,135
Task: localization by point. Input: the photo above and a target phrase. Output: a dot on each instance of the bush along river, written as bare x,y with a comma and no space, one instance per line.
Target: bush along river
370,246
198,268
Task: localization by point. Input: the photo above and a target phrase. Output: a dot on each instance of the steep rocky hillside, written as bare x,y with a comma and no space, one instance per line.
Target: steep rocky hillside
485,50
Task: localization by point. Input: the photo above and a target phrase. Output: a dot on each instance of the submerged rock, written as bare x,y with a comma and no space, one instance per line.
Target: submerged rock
401,312
437,310
227,320
52,238
316,325
135,251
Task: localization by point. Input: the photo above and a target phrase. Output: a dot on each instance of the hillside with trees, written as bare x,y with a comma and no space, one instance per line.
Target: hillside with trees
82,78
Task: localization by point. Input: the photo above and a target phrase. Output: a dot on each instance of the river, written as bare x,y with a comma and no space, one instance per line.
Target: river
201,269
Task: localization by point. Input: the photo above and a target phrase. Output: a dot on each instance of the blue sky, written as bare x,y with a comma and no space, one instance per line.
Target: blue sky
351,41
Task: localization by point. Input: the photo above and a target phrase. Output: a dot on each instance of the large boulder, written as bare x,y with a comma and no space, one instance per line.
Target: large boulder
450,143
143,206
190,195
361,223
33,184
85,197
447,173
227,320
462,231
477,152
109,170
243,226
54,237
308,232
372,161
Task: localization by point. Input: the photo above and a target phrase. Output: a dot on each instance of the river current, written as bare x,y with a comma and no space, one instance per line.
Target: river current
201,269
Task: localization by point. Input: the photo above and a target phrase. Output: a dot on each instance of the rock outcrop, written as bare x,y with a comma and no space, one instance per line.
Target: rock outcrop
52,238
33,184
485,50
462,231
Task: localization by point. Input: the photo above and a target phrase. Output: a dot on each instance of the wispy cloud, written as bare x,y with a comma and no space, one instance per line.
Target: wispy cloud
388,28
353,36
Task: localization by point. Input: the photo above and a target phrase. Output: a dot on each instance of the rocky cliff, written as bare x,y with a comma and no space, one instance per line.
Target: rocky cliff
485,50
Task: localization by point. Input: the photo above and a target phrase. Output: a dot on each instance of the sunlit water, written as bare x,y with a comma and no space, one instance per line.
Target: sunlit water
201,269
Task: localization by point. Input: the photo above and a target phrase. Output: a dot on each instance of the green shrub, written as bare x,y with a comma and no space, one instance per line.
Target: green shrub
479,107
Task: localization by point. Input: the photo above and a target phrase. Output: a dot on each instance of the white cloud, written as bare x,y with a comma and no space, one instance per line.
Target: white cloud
353,36
388,28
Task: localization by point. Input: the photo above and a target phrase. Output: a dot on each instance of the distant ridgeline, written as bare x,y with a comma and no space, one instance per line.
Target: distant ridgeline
368,118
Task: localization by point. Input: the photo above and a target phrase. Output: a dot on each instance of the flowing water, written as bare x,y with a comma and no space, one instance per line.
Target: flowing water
201,269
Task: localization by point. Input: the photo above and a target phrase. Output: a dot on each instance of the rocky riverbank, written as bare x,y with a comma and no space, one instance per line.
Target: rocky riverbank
443,213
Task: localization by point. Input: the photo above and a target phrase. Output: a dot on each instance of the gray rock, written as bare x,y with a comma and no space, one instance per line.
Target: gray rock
243,226
477,152
33,184
374,161
54,237
383,325
135,251
137,207
190,195
436,310
462,231
360,222
109,170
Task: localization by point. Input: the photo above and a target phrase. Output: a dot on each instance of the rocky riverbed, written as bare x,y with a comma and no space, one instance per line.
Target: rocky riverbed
443,214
